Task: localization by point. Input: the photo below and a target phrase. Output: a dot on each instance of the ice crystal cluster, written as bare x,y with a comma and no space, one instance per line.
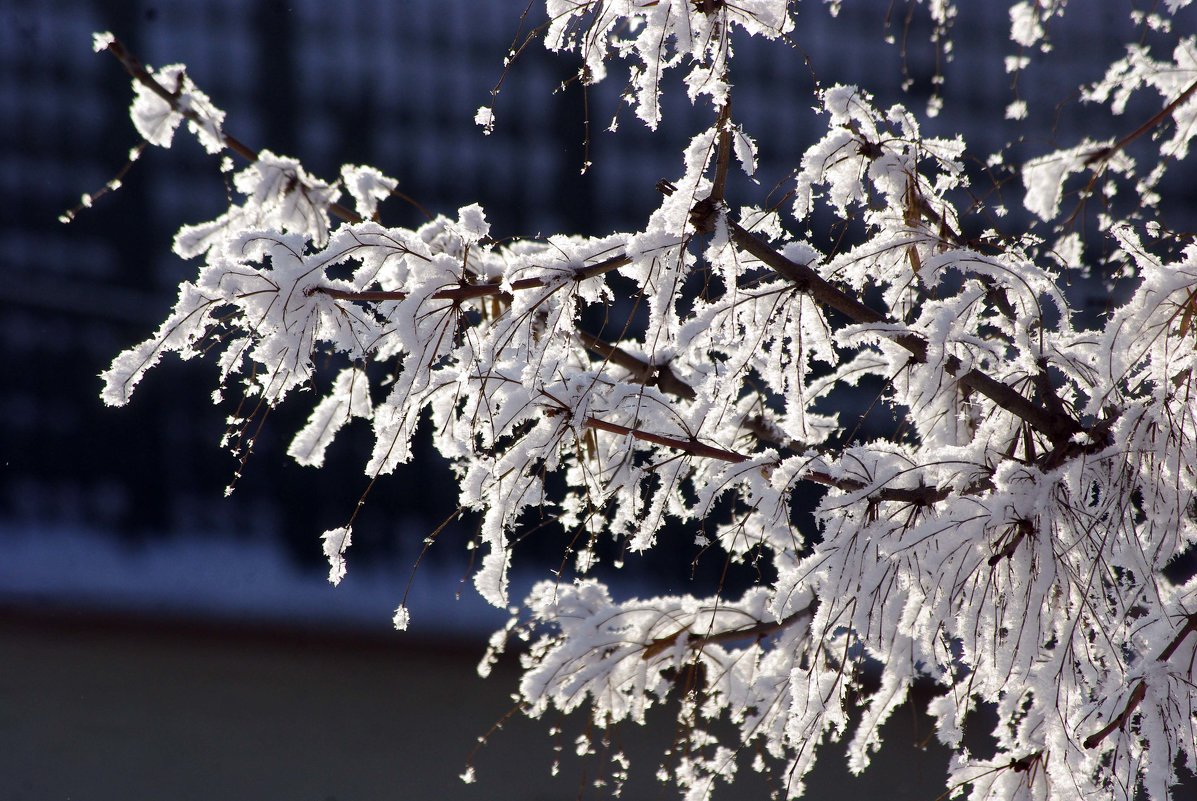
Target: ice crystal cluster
1007,542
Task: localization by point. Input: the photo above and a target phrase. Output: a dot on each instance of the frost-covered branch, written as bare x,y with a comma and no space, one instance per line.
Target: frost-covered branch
1005,532
1056,424
755,631
188,103
467,291
1140,689
1106,153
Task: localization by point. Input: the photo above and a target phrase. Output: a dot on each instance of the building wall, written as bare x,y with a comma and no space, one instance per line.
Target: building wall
116,709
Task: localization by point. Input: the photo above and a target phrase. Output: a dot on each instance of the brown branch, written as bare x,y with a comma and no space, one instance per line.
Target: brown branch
755,631
1136,697
1188,628
113,184
364,295
1024,764
643,372
139,73
719,186
1022,530
1140,690
1100,438
690,446
767,431
706,212
921,495
1104,154
465,292
822,291
1057,426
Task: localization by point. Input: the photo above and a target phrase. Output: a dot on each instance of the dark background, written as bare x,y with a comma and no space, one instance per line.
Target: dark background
395,85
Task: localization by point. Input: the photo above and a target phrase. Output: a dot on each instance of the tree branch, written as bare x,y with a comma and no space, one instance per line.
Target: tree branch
139,73
1104,154
1057,426
1188,628
1024,764
642,371
921,495
822,291
1136,697
719,186
1140,690
690,446
755,631
1022,530
465,292
1055,423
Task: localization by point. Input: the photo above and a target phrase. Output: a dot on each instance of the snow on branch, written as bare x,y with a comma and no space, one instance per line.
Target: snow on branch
660,36
1006,538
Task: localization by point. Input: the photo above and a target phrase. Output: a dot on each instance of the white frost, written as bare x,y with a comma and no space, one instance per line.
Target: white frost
1004,539
336,542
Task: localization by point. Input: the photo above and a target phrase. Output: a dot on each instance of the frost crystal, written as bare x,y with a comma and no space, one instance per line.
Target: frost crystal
485,117
101,41
401,619
367,186
336,542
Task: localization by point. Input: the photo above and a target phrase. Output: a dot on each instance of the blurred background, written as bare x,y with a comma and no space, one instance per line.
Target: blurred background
161,640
